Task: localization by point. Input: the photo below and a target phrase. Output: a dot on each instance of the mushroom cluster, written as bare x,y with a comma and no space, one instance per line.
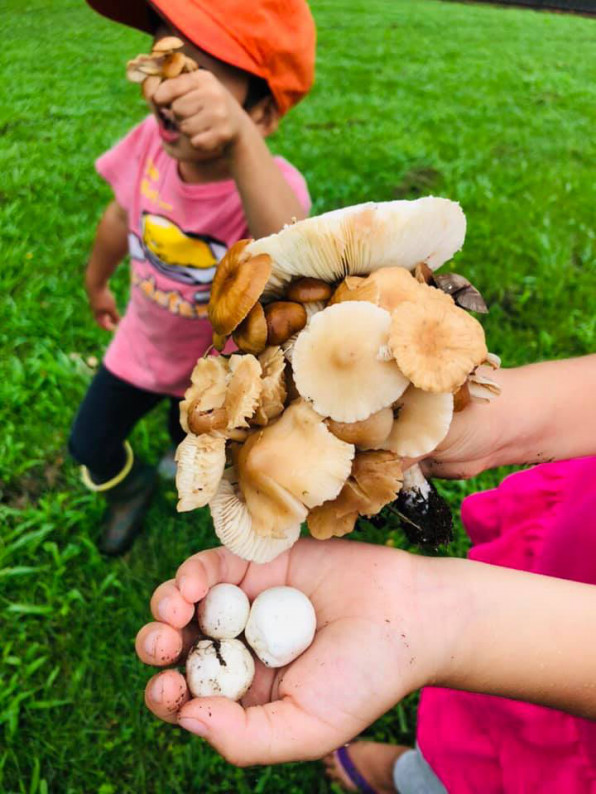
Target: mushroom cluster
353,355
279,626
164,62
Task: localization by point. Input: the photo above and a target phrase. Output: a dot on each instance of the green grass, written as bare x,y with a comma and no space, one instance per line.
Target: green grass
492,107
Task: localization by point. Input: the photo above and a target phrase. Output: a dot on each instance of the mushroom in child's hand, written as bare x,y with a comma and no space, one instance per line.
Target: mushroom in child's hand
422,420
223,612
219,667
281,625
167,44
251,334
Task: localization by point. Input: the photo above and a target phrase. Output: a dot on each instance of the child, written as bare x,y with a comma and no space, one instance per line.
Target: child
190,180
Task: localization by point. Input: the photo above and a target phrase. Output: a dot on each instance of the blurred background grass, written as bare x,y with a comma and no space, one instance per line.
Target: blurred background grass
492,107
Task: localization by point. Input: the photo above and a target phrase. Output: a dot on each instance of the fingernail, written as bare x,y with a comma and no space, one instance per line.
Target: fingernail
184,581
150,643
163,608
157,690
194,726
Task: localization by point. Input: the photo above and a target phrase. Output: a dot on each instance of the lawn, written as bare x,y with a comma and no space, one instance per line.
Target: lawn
492,107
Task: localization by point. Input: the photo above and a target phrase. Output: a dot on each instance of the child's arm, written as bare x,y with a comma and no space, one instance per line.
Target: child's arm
388,623
215,122
545,412
109,249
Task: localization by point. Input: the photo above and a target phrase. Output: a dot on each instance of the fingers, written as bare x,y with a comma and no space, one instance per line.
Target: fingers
170,90
274,733
165,693
106,320
159,644
198,574
169,605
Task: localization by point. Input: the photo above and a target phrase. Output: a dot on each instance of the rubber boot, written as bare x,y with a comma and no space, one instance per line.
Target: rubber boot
127,504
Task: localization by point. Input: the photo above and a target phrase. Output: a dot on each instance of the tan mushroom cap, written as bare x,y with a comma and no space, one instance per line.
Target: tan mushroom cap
143,66
294,459
328,521
234,527
207,392
173,65
422,422
201,461
367,434
355,288
244,389
274,393
251,334
238,284
397,285
436,345
168,43
335,362
361,239
375,480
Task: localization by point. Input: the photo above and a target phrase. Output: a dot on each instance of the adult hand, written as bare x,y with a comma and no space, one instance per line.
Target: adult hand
374,644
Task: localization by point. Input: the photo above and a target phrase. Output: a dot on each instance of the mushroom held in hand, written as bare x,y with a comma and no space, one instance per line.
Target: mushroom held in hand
219,667
281,625
223,612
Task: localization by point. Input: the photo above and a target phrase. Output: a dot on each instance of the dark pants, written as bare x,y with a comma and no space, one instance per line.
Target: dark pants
107,415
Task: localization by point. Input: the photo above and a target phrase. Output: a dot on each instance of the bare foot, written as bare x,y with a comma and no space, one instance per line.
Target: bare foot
374,761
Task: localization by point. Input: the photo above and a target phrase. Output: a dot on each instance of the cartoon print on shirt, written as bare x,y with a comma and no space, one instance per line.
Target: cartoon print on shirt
185,257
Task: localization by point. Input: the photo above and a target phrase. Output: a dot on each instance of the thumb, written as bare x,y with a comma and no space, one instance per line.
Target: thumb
275,733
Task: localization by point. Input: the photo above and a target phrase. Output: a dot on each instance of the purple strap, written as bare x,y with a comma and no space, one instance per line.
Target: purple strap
347,764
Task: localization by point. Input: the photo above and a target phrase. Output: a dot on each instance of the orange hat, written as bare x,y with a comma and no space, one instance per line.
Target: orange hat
273,39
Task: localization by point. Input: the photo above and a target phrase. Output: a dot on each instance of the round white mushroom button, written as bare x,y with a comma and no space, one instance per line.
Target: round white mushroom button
223,612
281,625
219,667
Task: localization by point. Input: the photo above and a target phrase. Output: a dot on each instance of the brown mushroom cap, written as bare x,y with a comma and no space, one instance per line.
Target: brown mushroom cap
436,345
173,65
200,422
284,319
238,283
368,433
251,334
306,290
375,480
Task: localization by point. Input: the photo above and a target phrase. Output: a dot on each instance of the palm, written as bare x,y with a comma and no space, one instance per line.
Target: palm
339,685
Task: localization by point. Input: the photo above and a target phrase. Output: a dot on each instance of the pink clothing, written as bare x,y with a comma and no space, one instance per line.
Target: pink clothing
541,520
177,234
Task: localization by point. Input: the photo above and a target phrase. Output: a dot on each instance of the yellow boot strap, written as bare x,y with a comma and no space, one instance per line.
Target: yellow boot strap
106,486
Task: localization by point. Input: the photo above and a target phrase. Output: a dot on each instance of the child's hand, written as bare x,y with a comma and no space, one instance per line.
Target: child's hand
205,111
372,647
103,306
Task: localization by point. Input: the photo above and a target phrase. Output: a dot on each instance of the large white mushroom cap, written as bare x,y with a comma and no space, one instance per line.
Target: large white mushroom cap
359,239
336,363
281,625
422,422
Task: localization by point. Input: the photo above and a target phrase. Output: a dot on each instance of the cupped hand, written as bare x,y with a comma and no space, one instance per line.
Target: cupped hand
369,651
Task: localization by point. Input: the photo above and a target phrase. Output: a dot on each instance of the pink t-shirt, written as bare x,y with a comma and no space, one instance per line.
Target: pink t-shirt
177,234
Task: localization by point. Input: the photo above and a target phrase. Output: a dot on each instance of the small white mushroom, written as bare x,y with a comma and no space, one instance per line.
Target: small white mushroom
223,612
281,625
219,667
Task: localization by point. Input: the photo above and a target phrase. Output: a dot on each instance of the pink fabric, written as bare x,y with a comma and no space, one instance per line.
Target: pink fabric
177,234
541,520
